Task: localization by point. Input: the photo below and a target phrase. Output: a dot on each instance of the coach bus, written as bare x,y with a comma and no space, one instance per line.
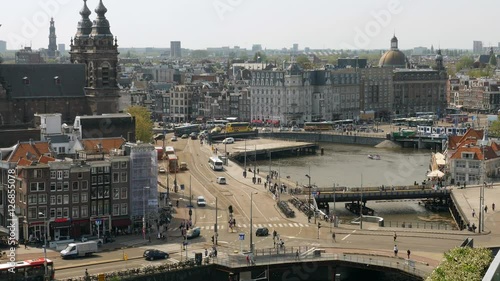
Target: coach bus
186,130
238,127
27,270
318,126
216,123
215,163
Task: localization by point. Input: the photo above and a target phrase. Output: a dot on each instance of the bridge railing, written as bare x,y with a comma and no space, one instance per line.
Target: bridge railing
316,255
419,225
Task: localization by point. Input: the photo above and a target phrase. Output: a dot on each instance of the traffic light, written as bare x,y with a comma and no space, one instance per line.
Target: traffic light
319,225
190,212
212,239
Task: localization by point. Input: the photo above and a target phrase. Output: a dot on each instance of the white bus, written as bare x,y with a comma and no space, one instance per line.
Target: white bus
216,123
215,163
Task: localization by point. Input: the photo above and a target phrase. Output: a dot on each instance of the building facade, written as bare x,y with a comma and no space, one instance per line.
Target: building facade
175,49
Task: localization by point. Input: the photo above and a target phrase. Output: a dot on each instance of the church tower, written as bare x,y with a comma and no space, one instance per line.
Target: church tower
95,46
51,53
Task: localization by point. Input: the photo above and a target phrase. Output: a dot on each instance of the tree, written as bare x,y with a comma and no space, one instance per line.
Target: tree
463,263
493,60
464,63
304,62
143,123
199,54
494,129
259,57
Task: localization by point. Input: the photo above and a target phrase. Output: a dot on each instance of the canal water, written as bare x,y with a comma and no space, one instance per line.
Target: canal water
349,165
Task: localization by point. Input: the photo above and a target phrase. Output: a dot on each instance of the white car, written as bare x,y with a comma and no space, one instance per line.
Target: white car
228,140
295,129
174,138
162,170
266,129
221,180
201,201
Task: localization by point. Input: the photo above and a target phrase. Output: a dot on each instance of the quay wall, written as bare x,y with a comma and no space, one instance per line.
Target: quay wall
330,138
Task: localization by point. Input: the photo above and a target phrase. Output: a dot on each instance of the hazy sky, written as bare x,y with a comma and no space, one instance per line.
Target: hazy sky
198,24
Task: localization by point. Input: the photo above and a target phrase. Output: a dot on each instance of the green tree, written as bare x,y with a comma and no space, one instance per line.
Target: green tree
304,62
259,57
199,54
494,129
143,123
493,60
463,263
464,63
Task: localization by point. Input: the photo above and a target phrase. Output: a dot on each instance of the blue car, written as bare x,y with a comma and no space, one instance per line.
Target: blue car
193,233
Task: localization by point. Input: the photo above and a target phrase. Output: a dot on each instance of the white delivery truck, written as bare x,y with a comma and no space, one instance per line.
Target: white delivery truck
79,249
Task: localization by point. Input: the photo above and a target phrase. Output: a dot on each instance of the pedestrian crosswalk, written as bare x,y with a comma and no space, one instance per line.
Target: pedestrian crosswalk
255,225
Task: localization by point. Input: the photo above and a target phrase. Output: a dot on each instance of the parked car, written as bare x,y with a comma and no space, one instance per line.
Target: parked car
193,233
185,136
221,180
81,249
262,231
162,170
228,140
283,129
152,254
174,138
193,136
266,129
201,201
183,166
295,129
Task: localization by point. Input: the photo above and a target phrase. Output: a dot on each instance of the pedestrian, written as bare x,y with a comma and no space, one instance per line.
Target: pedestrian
258,170
206,252
395,236
408,252
485,209
396,250
87,277
297,255
25,244
493,206
473,213
248,260
333,237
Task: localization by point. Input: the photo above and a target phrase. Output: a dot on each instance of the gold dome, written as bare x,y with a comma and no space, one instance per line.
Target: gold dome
393,58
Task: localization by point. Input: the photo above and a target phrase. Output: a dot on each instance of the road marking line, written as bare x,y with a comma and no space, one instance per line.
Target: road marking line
296,224
301,225
280,225
174,260
259,225
348,235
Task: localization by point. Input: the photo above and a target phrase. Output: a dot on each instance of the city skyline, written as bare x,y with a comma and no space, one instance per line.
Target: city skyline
200,24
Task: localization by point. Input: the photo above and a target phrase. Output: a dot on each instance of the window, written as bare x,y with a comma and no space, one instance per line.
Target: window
66,174
124,177
52,174
75,185
52,186
94,179
116,165
59,186
106,192
37,173
33,186
99,179
93,192
106,178
99,170
65,186
59,199
93,208
84,211
65,199
94,170
124,192
124,164
74,213
116,177
100,192
85,185
52,200
124,209
59,175
85,197
116,209
32,199
474,165
41,186
53,212
42,211
42,198
76,198
80,175
106,170
106,208
116,193
59,212
65,212
461,164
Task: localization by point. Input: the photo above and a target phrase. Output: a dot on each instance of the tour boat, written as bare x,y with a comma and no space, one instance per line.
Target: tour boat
374,157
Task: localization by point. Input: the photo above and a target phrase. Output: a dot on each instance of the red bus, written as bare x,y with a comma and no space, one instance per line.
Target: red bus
26,270
173,164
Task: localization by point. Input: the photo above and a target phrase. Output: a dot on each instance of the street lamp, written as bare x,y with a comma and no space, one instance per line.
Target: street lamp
45,245
251,221
144,212
309,200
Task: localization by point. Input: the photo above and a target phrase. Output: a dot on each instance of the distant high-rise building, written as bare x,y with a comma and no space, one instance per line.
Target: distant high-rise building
175,49
256,48
307,49
51,52
477,47
61,48
295,48
3,46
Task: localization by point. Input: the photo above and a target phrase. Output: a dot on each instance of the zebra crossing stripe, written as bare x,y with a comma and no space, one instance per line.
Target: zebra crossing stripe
280,225
259,225
275,225
296,224
255,226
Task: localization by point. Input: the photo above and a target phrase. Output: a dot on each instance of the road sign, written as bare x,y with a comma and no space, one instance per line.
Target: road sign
97,222
182,187
242,236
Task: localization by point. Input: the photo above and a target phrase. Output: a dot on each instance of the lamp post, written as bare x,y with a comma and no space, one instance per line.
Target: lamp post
309,200
144,212
361,205
46,277
251,221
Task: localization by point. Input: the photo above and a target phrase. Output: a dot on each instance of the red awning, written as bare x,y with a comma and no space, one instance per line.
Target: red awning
58,220
121,222
257,121
37,223
276,122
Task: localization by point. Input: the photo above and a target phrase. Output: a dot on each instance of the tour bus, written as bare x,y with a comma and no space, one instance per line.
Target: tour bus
238,127
173,164
186,130
317,126
27,270
215,163
169,150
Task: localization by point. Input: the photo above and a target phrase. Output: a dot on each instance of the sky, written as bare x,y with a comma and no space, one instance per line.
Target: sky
275,24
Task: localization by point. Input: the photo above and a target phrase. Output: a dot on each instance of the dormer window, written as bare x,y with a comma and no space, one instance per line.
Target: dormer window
467,155
26,80
57,80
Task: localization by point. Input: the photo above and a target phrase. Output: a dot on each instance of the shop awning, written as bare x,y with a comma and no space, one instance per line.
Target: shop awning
121,222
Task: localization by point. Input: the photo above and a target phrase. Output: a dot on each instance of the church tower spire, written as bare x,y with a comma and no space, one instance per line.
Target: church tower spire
95,46
51,53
